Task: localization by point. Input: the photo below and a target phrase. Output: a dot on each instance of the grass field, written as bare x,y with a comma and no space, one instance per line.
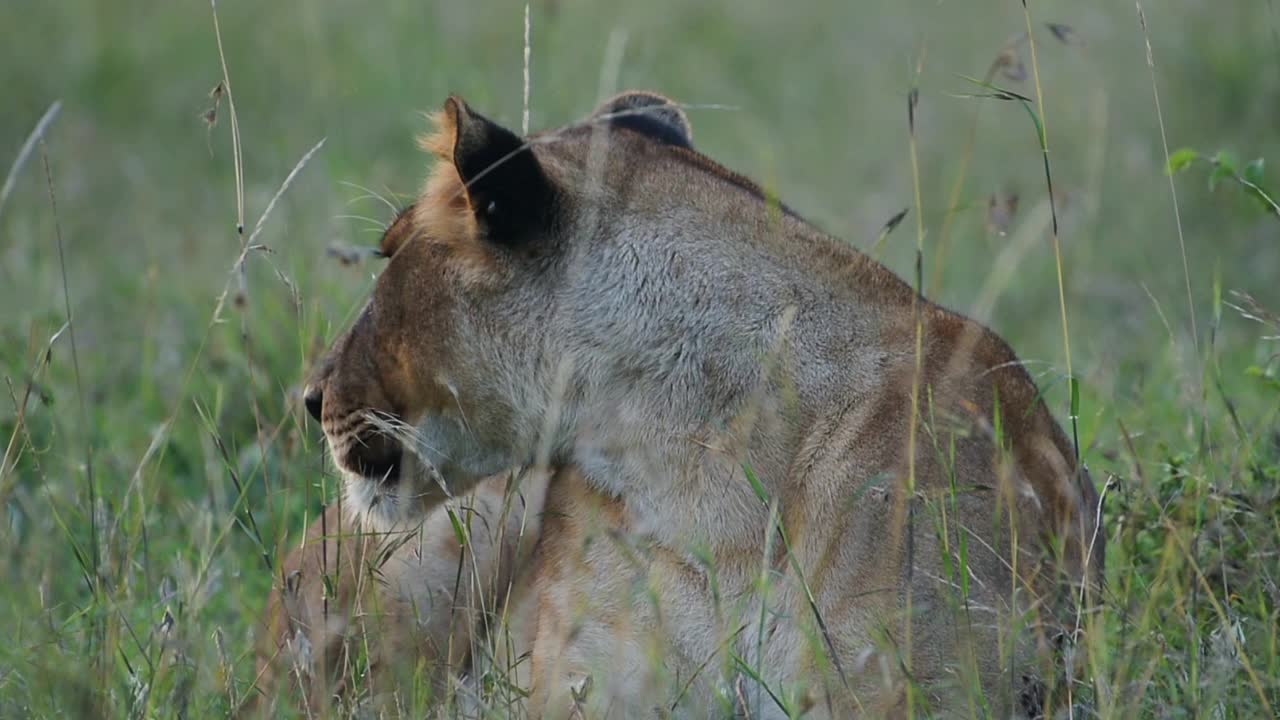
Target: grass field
155,447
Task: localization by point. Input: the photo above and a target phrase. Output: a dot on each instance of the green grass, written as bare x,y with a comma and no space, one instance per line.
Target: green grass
152,471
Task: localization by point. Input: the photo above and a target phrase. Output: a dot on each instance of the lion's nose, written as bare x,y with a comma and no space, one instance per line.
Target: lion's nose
313,398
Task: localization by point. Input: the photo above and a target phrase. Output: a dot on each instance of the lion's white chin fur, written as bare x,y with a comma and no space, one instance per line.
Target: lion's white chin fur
426,477
394,504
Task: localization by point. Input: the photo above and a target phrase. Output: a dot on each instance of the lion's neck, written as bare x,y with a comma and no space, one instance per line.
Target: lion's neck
694,364
681,451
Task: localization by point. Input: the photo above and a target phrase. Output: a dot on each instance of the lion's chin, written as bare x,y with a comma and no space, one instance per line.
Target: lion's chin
392,504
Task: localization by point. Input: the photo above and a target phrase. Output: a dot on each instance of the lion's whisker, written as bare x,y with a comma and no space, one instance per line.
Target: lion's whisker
372,194
407,435
380,225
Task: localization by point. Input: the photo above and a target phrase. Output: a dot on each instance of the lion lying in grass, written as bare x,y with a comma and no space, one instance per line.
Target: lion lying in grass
787,485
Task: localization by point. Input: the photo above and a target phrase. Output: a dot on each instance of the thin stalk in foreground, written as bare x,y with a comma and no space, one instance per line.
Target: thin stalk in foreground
235,125
37,133
1043,133
917,308
95,552
1173,190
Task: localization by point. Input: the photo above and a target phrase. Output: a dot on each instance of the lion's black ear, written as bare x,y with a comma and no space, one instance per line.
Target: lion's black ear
649,114
507,188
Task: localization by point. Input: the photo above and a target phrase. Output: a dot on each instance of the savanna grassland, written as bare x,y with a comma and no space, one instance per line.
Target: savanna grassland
156,454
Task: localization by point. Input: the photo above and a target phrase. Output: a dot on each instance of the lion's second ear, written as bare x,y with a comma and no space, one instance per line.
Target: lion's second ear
507,189
648,114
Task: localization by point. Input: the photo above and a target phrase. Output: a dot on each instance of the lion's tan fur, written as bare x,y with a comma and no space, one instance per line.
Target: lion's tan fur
772,451
444,210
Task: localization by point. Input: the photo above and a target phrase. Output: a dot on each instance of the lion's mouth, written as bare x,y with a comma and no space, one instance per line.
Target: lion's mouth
383,471
376,458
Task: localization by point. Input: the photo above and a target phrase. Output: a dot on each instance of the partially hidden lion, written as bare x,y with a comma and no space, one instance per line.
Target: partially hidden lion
770,478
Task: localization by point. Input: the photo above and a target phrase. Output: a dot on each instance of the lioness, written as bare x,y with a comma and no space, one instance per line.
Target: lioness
789,484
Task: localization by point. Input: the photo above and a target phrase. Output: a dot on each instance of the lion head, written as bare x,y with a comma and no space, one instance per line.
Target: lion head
451,372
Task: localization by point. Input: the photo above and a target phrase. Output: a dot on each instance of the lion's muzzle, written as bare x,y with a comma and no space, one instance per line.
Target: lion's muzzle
358,447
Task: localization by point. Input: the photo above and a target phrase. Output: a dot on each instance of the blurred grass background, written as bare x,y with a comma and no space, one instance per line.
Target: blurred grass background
141,599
